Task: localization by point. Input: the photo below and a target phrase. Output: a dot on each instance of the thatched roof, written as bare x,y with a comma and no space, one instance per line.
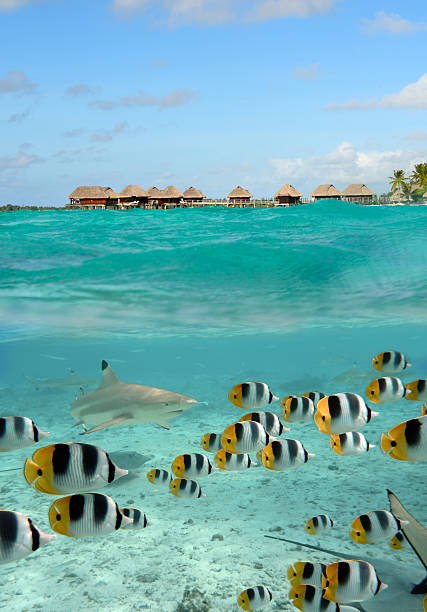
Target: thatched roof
399,196
153,192
170,192
288,190
357,189
133,191
239,192
191,193
329,191
92,192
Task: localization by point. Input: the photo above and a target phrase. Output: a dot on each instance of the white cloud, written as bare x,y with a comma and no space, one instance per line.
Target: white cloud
107,135
416,135
307,72
16,81
412,96
214,12
82,89
20,160
393,23
12,5
177,97
345,165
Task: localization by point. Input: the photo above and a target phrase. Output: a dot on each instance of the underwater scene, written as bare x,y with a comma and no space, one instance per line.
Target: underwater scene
139,332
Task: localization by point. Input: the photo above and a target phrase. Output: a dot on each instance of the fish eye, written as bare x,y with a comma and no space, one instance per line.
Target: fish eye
376,362
235,396
358,533
323,418
372,392
58,517
39,472
393,443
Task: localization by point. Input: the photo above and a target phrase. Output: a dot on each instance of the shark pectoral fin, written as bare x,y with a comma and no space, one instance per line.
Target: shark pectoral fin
163,423
116,421
108,376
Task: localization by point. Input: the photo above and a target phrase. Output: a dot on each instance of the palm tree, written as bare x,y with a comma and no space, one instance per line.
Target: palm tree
398,180
419,175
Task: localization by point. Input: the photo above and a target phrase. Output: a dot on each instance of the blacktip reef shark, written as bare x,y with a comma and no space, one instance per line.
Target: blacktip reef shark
73,380
118,403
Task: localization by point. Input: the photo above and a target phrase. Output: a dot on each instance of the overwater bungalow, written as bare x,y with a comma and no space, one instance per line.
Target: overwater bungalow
400,196
192,195
239,196
287,196
91,196
133,196
169,197
358,193
323,192
153,197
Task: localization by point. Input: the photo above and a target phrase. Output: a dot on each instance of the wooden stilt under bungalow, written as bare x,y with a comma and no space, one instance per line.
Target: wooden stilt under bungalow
133,196
287,196
169,197
90,197
192,196
153,197
358,193
324,192
239,197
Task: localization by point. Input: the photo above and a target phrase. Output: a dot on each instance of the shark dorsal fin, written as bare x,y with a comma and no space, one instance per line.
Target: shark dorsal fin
108,376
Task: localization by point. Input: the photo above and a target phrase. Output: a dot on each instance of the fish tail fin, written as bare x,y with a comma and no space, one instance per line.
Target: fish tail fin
386,443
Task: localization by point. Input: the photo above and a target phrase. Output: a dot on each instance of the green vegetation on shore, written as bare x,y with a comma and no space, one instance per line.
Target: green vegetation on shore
413,186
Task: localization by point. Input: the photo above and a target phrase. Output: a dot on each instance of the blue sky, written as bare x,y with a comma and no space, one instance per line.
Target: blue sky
210,93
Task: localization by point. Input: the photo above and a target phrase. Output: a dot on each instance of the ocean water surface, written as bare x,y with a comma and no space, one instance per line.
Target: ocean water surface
196,301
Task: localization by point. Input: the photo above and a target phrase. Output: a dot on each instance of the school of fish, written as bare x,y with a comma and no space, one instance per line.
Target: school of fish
74,470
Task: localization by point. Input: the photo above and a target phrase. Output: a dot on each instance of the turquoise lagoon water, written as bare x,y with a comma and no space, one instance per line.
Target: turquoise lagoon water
196,301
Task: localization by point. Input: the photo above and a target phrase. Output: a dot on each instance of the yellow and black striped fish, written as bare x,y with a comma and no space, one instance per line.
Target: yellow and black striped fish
347,581
211,442
231,462
138,518
19,432
245,437
398,541
19,536
309,598
254,598
375,526
251,396
318,524
417,390
306,572
390,362
284,454
185,488
192,465
315,397
351,443
70,467
297,409
159,477
424,409
407,441
268,420
385,389
86,514
342,412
